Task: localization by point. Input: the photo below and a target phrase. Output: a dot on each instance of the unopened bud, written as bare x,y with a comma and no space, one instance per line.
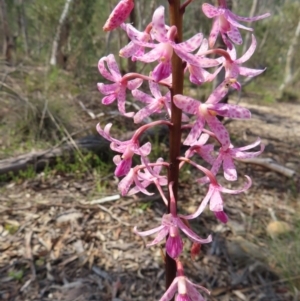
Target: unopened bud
119,15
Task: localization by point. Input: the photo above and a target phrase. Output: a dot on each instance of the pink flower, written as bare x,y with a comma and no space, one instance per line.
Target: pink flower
225,158
186,290
117,90
198,75
142,179
119,15
233,66
207,112
127,148
170,225
132,49
214,198
204,151
163,51
226,23
154,104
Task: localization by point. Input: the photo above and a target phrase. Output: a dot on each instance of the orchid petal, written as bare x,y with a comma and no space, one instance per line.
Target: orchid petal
249,19
214,33
107,100
193,293
186,103
150,56
162,71
103,70
135,37
195,132
249,146
250,72
202,205
189,233
123,167
148,232
145,112
129,50
231,111
230,173
248,53
233,22
158,23
160,236
144,150
211,11
219,129
121,99
154,88
170,292
134,83
126,182
142,96
216,201
219,92
107,89
237,191
191,44
113,67
235,36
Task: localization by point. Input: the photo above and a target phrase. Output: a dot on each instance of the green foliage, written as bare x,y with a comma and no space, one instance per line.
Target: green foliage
17,275
285,256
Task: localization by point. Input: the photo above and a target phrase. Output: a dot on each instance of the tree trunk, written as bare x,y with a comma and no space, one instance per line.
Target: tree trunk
23,26
56,42
289,74
8,45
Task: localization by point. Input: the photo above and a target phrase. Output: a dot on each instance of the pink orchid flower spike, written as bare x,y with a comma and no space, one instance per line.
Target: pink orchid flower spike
117,90
187,290
127,148
170,225
119,15
227,24
163,50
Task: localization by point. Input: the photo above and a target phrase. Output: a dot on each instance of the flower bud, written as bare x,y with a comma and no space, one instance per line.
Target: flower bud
119,15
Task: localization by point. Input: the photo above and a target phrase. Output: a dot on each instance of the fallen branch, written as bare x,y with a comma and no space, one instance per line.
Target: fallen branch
270,164
38,160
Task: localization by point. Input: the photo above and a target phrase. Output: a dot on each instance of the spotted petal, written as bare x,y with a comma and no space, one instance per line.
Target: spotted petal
158,23
231,111
186,104
211,11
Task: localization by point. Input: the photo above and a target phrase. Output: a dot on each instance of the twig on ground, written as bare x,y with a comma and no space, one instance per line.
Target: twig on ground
270,164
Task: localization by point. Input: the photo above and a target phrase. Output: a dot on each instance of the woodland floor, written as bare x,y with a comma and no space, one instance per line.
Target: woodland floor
56,245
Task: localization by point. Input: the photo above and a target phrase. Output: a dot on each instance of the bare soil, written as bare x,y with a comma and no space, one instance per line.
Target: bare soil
56,245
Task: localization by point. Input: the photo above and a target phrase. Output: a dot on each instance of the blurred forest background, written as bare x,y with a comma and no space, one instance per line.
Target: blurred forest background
50,51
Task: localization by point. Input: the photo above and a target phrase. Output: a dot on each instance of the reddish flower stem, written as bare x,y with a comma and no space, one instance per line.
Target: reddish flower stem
147,126
175,130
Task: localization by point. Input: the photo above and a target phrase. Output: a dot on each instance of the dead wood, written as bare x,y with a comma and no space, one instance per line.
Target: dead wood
38,160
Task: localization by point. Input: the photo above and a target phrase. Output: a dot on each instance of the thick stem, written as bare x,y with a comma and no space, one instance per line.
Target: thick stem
175,130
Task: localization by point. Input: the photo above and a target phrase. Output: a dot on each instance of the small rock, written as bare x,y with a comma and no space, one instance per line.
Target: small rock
277,228
244,251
